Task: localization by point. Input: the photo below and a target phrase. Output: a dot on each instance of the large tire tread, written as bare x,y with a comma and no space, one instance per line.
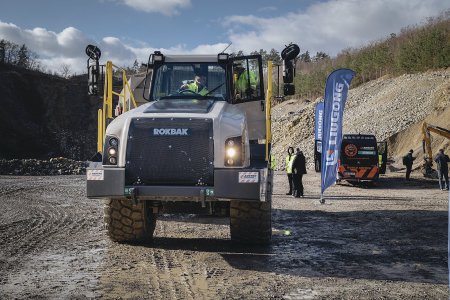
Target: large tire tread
129,222
251,222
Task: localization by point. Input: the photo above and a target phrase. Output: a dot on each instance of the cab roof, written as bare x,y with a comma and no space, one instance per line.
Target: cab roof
191,58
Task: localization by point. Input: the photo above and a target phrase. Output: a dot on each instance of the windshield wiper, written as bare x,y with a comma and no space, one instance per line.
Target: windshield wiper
214,89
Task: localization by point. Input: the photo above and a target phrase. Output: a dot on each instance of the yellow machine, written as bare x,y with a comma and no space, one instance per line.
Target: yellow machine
426,143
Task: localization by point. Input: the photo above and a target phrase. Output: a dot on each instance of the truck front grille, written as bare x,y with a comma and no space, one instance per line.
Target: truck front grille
170,151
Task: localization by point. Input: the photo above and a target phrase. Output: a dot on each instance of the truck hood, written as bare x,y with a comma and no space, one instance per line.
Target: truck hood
181,106
221,112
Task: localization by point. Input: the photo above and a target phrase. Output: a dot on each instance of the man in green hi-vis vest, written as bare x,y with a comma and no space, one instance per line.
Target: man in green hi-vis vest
289,161
198,85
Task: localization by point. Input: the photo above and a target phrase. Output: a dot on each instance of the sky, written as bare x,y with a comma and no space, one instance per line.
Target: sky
58,31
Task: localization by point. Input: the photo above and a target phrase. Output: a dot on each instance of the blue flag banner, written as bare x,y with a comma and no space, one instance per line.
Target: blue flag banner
318,130
336,91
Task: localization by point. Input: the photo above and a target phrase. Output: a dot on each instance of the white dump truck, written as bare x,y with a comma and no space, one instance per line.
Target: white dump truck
203,136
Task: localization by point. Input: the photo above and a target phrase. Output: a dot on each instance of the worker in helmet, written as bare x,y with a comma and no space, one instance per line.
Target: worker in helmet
198,85
245,82
442,161
289,161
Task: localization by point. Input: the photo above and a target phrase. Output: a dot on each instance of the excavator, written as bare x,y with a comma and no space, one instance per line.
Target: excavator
428,170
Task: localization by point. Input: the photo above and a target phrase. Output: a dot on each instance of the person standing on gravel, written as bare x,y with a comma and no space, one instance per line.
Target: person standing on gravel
289,160
273,163
408,162
442,161
298,169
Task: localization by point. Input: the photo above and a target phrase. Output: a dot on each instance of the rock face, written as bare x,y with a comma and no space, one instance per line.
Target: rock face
384,107
44,116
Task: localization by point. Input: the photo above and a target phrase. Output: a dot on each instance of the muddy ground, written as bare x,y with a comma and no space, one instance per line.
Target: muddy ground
383,242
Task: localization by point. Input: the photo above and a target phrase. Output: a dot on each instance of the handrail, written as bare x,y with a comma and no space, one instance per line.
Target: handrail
105,114
268,108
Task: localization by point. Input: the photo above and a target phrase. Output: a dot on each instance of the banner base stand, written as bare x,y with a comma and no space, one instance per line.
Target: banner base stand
322,200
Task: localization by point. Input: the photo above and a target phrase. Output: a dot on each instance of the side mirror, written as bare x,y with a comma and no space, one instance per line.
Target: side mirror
93,77
94,53
288,72
289,56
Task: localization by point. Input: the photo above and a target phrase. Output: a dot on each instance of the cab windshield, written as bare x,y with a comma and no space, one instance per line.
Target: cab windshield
189,80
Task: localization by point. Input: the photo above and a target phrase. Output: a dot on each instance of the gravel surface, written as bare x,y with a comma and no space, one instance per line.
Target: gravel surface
53,166
385,242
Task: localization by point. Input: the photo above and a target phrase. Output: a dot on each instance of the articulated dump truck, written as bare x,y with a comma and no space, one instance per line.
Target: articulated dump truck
202,137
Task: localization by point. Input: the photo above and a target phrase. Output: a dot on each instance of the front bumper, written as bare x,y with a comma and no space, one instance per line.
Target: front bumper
229,184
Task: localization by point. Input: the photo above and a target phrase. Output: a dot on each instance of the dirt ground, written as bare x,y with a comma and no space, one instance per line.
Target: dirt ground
383,242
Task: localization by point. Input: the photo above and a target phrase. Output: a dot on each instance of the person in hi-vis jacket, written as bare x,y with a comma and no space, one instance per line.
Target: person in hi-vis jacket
289,160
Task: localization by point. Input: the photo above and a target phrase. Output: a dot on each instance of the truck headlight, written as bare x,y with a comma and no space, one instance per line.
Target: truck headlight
233,151
110,152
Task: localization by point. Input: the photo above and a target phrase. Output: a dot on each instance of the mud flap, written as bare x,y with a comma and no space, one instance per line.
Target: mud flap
242,184
104,182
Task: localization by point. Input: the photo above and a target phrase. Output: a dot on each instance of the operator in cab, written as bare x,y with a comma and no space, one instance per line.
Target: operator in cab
198,85
245,82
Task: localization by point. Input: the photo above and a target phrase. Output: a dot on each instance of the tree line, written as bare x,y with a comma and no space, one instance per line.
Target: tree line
17,55
21,56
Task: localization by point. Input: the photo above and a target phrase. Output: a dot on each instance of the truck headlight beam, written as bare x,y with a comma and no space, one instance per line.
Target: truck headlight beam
233,151
112,151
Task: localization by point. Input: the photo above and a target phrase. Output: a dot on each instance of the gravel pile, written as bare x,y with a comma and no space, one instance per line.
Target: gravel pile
382,107
34,167
385,107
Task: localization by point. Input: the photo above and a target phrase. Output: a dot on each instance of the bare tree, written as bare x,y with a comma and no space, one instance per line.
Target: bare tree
65,71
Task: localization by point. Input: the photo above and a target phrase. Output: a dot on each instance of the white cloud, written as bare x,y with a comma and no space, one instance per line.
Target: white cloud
329,26
165,7
209,49
68,47
53,49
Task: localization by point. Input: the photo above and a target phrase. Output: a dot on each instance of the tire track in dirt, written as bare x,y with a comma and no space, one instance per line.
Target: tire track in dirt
178,273
385,241
42,221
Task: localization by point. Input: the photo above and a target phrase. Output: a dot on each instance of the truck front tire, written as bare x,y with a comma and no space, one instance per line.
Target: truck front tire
129,222
250,222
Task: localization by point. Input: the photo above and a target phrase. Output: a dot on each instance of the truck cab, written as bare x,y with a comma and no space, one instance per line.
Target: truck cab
203,136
